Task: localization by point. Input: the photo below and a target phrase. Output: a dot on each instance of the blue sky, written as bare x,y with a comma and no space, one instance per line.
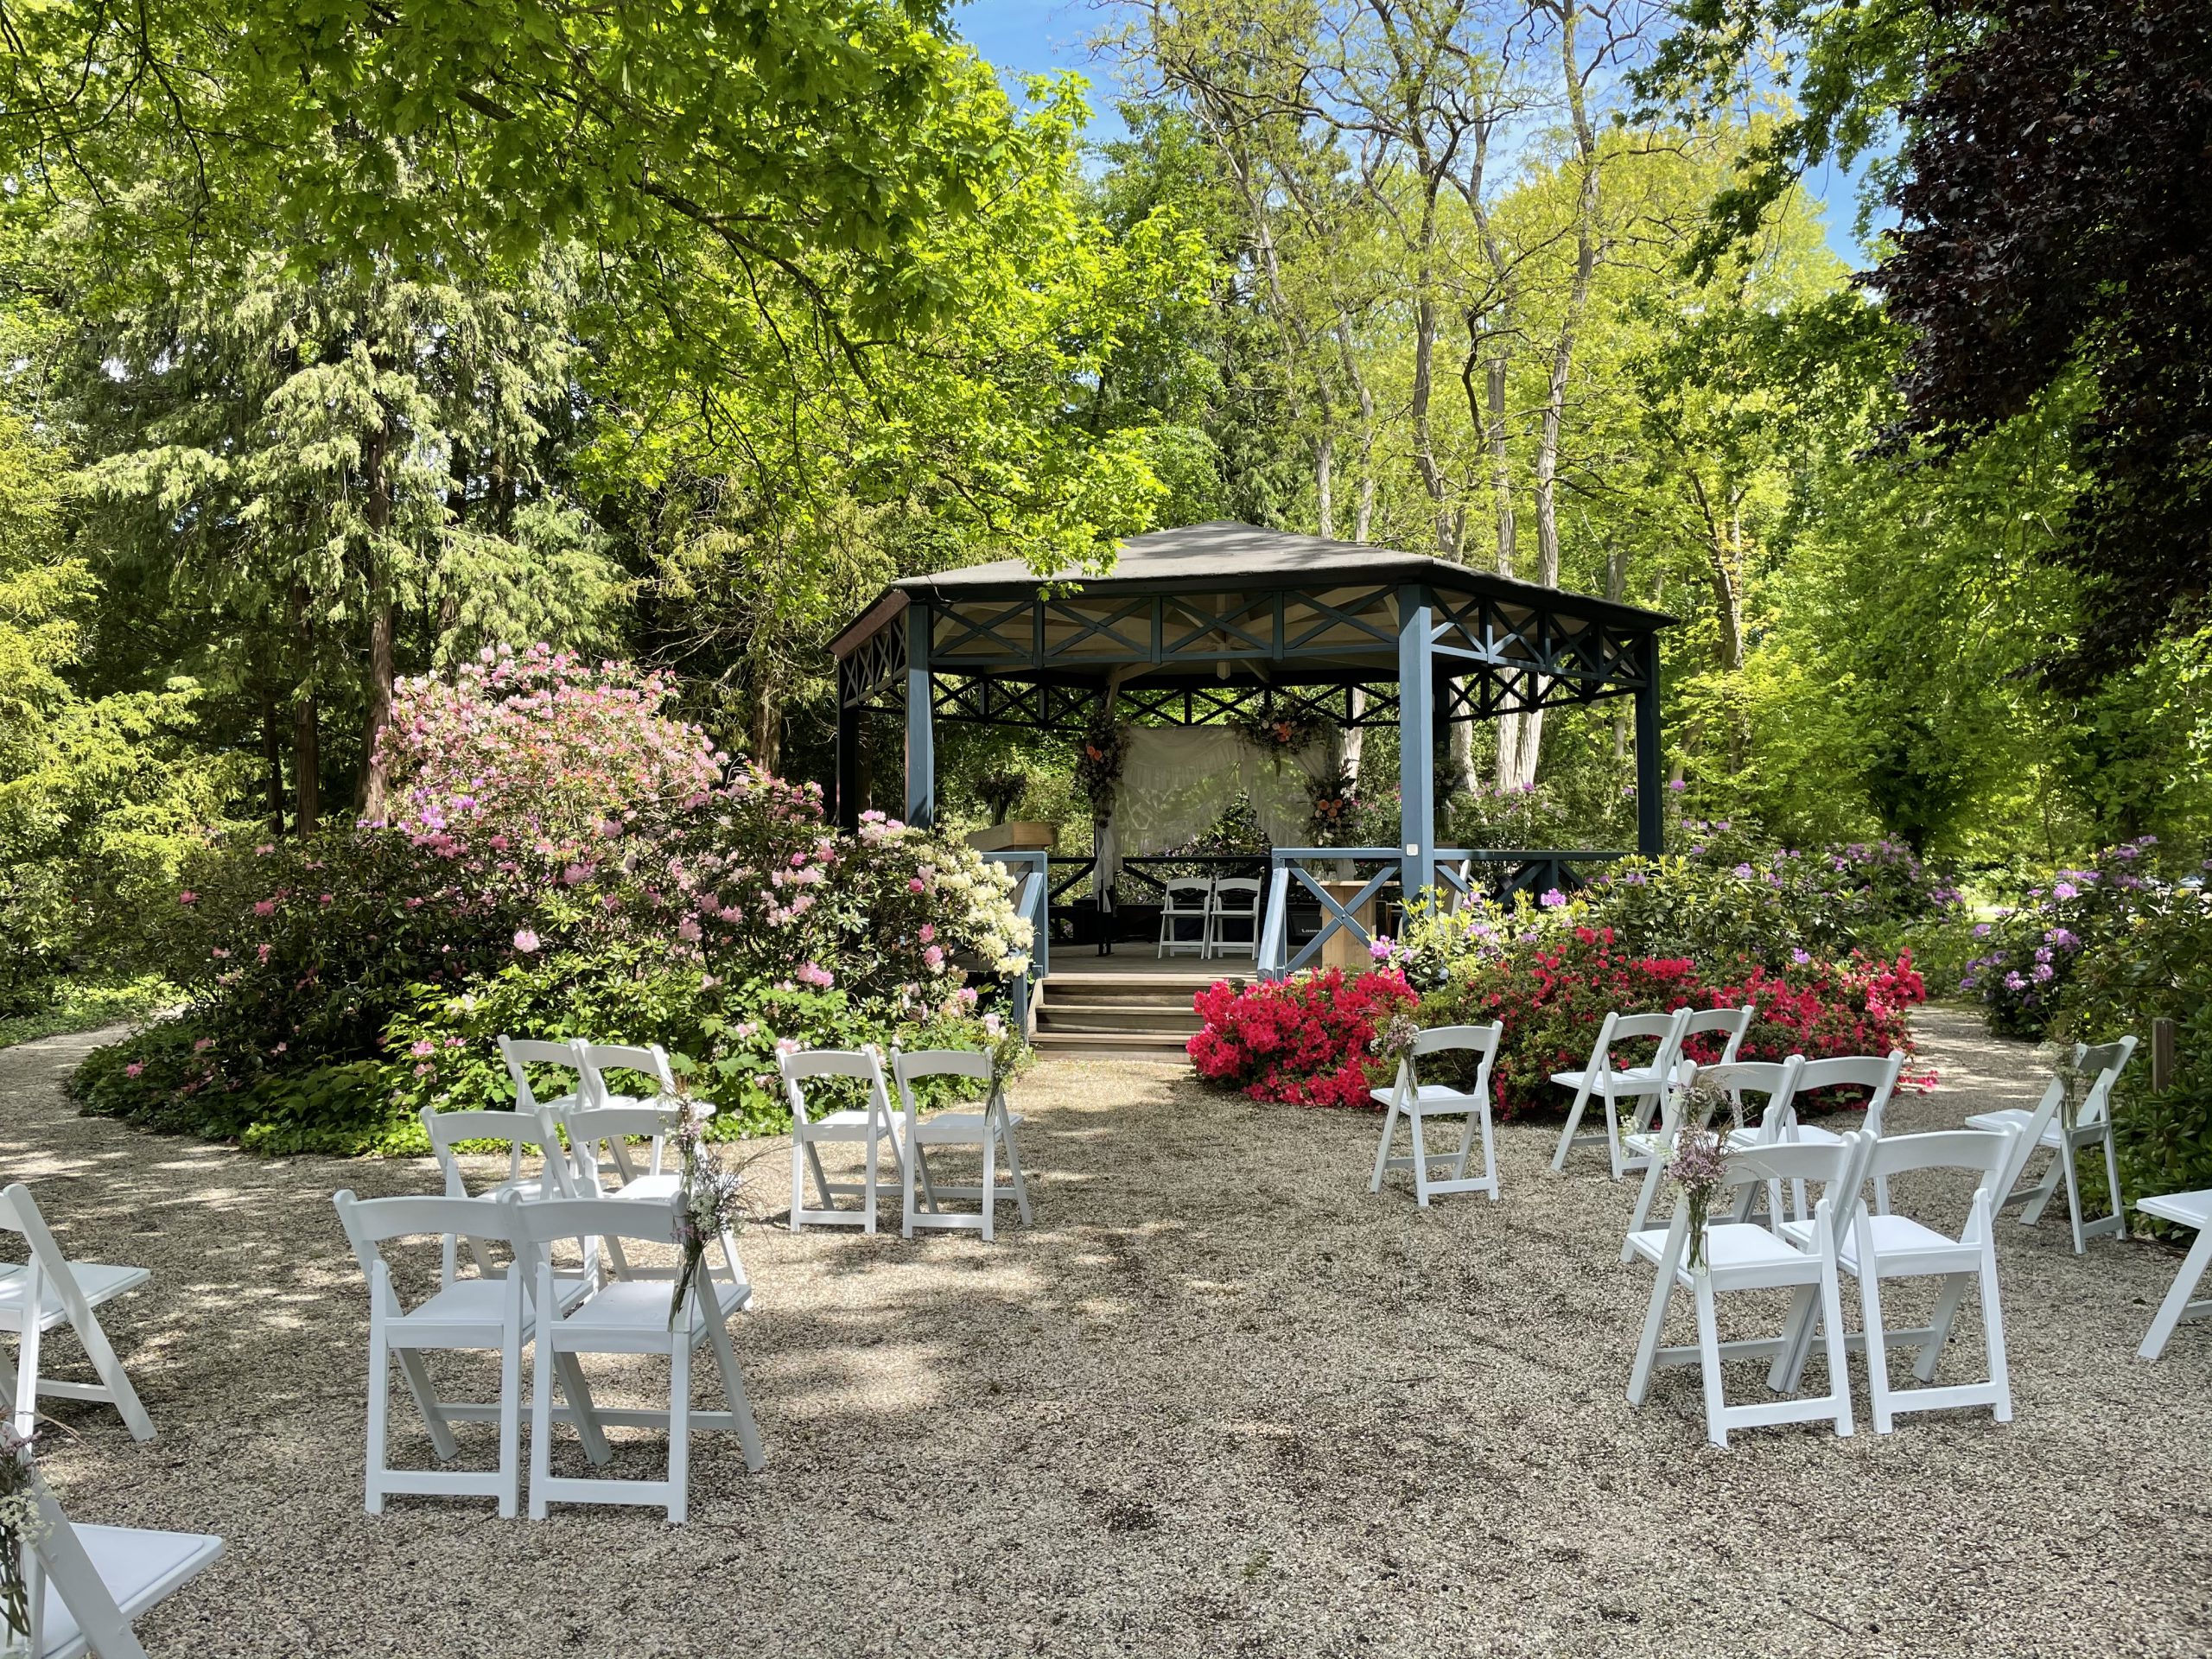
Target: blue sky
1038,36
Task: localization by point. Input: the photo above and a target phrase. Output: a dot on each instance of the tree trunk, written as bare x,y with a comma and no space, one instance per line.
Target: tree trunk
1325,469
1500,483
1617,590
370,798
272,760
307,744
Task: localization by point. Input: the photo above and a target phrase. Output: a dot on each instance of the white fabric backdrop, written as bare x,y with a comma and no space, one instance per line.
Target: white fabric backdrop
1176,780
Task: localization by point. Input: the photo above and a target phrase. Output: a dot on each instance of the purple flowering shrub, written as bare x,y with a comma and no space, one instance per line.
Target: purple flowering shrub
562,859
2027,954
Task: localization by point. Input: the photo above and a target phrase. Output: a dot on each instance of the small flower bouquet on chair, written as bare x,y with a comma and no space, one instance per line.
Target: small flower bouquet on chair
20,1528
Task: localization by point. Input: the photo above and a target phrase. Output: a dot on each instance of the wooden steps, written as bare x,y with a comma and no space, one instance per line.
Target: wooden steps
1128,1016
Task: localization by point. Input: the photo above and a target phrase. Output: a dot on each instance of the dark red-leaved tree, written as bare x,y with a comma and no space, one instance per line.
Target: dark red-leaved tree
2058,222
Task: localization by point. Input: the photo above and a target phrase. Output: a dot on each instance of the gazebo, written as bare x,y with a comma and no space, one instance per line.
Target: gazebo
1216,622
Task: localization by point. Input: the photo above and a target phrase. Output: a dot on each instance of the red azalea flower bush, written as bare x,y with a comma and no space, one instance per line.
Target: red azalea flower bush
1305,1041
1302,1041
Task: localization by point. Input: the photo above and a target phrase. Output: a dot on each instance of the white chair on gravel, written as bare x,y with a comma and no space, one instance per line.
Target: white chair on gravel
48,1292
2046,1129
631,1317
1410,1101
2183,1210
1874,1247
462,1315
867,1126
87,1583
1186,899
989,1131
1739,1256
521,1132
1776,1080
601,1132
1611,1084
1234,904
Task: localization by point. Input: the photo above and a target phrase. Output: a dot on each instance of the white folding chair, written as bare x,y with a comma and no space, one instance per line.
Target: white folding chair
631,1316
1185,898
1611,1085
1874,1247
1413,1101
1739,1256
521,1132
1235,902
48,1292
1732,1024
1650,1148
2183,1210
462,1315
1877,1077
2046,1129
870,1126
87,1583
990,1131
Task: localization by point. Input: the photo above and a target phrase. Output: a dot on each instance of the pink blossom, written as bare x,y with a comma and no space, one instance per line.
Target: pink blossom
203,1044
422,1048
525,941
927,933
688,930
323,898
266,907
935,956
188,897
815,975
134,1068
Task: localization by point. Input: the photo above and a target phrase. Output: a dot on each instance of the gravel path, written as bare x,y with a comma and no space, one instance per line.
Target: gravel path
1219,1400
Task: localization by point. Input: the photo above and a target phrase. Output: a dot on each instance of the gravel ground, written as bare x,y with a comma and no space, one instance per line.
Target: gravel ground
1219,1400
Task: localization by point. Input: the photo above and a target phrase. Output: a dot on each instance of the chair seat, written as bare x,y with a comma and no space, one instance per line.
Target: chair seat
1803,1134
137,1566
481,1302
959,1129
855,1123
1639,1079
1893,1236
2012,1118
99,1283
635,1304
2185,1209
1727,1245
1432,1098
650,1189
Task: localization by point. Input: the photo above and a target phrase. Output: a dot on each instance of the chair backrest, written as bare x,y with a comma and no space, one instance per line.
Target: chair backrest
520,1129
1197,890
1777,1081
1730,1023
1665,1028
595,1060
371,1223
50,1264
2103,1064
941,1062
614,1128
1482,1041
1244,889
1878,1076
521,1052
1987,1153
864,1063
1838,1168
537,1227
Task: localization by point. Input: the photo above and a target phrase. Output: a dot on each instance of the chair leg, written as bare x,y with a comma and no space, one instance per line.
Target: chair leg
1708,1354
798,1175
2118,1203
1421,1158
2169,1312
740,1407
2040,1196
1878,1351
509,1424
990,1176
568,1371
379,1410
868,1164
821,1176
117,1380
1939,1328
1466,1150
1573,1122
2074,1198
1839,1370
1992,1331
1655,1325
906,1189
417,1373
1489,1155
1652,1174
1390,1133
679,1430
542,1375
1013,1169
1789,1367
26,1366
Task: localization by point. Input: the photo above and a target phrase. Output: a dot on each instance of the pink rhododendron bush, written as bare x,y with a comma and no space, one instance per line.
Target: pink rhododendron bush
562,859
